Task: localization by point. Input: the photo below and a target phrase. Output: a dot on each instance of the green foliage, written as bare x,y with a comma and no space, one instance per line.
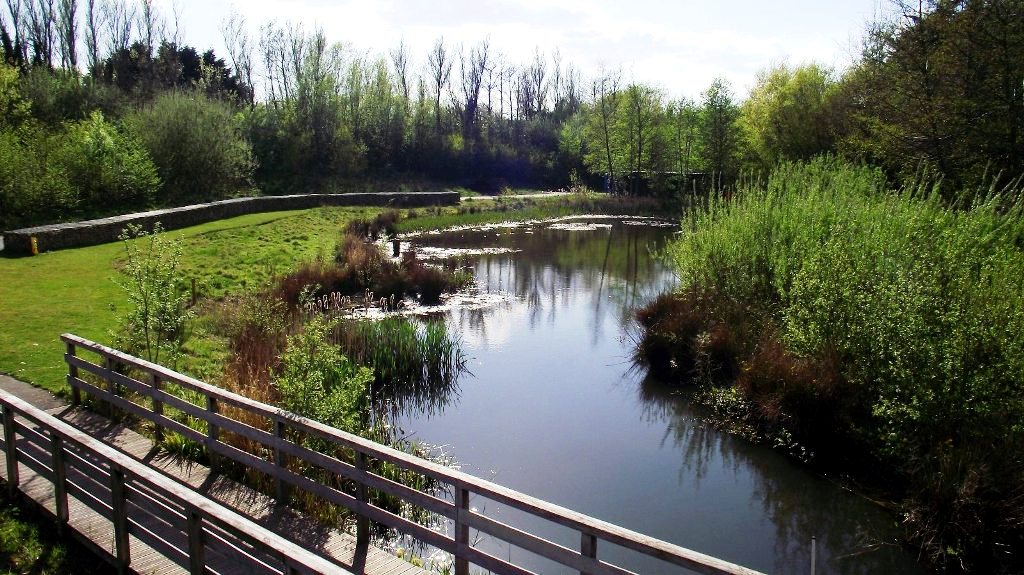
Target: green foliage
108,167
906,317
940,88
318,382
156,322
197,145
788,114
29,543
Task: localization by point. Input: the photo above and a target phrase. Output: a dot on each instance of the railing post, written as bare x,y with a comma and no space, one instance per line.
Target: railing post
76,394
158,408
10,437
197,562
119,505
362,523
461,530
111,388
588,547
212,430
280,487
60,485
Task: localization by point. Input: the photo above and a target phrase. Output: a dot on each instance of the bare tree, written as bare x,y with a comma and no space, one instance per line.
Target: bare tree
440,65
400,62
472,70
239,47
93,23
119,19
67,33
18,25
150,24
537,79
41,14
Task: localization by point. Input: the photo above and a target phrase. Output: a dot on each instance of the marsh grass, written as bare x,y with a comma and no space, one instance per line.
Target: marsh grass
886,322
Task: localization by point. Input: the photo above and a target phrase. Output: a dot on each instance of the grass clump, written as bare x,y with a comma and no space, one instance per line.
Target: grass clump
870,326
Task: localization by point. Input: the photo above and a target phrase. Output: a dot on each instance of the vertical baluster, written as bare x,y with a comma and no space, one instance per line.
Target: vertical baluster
588,547
10,437
212,430
60,485
197,561
362,523
158,407
76,394
111,387
461,530
280,460
119,503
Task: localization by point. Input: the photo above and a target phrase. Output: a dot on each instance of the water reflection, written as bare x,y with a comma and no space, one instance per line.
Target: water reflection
853,535
553,410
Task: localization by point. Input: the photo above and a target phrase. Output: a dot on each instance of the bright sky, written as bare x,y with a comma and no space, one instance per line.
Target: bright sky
680,46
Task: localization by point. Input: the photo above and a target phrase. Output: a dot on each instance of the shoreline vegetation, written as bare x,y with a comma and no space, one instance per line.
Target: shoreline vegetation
861,328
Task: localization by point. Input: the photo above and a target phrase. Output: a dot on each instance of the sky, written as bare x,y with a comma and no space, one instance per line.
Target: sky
679,46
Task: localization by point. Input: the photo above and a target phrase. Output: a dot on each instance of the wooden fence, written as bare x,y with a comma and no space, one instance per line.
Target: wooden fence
219,409
121,507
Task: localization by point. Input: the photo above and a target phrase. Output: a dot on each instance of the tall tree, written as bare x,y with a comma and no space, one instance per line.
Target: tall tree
440,62
721,134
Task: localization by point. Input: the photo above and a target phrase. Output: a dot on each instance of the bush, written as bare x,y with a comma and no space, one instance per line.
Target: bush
108,168
199,150
900,327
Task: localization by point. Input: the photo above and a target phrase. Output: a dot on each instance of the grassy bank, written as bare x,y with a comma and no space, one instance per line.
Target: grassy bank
866,327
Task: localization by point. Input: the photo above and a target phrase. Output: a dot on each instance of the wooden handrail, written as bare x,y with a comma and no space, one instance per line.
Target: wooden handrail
128,475
590,530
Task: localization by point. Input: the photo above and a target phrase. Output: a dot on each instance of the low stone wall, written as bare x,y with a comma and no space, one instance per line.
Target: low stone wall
101,231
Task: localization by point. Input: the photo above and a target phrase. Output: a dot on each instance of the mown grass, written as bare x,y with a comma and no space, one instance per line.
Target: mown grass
73,290
857,320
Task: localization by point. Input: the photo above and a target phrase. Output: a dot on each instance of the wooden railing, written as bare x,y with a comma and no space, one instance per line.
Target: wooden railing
97,489
277,440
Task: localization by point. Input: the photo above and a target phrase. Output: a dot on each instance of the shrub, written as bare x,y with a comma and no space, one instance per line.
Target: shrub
199,150
108,167
885,318
155,324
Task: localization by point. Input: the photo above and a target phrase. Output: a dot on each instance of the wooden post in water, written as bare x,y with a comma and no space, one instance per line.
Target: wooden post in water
814,553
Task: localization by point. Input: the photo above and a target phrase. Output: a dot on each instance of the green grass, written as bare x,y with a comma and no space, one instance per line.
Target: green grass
73,290
29,543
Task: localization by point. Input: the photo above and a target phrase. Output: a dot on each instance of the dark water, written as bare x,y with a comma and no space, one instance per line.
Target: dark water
553,408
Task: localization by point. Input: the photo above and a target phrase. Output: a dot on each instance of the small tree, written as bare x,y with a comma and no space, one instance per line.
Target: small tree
156,322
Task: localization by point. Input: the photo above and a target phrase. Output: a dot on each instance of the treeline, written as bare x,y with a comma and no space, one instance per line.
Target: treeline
937,90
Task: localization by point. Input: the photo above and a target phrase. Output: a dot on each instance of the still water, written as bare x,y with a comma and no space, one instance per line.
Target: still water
552,407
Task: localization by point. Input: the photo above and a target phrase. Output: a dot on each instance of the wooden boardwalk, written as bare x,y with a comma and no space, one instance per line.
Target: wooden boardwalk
159,515
157,544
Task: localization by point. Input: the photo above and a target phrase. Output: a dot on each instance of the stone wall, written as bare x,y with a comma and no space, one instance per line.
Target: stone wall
101,231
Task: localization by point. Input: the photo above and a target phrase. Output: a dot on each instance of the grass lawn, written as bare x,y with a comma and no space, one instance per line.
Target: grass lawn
74,290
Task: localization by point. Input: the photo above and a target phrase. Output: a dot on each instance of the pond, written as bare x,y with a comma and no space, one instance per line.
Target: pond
553,407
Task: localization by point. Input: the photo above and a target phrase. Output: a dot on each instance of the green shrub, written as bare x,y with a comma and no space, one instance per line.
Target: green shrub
888,319
199,150
108,167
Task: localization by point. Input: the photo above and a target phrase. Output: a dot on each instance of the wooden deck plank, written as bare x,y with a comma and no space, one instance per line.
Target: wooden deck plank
332,543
